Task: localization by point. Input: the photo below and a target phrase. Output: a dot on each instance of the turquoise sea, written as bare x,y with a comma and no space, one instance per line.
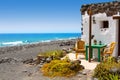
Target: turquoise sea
28,38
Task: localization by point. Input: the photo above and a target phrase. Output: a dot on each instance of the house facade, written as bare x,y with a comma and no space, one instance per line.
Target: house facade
105,23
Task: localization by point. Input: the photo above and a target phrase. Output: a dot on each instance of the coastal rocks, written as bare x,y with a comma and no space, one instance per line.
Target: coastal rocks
45,60
28,61
15,60
67,43
8,60
48,59
40,65
4,50
58,44
39,61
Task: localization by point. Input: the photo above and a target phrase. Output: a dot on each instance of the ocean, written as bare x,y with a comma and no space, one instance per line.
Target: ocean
28,38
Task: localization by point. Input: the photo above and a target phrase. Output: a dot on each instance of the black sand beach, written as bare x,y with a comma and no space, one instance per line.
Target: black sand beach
12,58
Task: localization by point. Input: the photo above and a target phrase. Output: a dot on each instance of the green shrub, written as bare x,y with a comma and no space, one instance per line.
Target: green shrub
110,60
101,70
60,68
56,54
109,77
107,70
113,77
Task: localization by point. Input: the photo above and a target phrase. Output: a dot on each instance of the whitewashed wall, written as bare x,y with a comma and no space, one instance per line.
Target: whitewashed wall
106,36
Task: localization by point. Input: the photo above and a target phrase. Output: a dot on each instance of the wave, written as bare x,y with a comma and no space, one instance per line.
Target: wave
57,39
46,41
12,43
67,38
73,38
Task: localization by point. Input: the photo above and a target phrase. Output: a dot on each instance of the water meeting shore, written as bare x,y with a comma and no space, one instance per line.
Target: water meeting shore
31,50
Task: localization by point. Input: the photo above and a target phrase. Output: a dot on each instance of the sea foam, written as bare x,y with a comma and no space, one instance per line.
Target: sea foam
12,43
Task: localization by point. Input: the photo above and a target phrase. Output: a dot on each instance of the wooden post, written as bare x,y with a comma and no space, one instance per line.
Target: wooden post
90,33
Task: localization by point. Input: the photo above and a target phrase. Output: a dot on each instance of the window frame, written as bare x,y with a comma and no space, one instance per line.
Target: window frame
105,24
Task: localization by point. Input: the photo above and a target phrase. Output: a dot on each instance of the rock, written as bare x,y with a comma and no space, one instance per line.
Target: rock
114,69
118,60
78,61
61,44
72,67
35,61
48,60
30,74
82,67
8,60
13,61
25,71
51,57
79,75
39,57
28,61
95,79
85,71
89,76
67,43
43,59
40,65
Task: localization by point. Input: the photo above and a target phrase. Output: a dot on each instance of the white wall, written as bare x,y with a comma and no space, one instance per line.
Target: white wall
106,36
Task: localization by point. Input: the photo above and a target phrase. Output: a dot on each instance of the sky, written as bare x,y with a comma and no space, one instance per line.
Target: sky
42,16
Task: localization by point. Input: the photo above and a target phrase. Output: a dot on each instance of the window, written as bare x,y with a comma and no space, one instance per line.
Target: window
105,24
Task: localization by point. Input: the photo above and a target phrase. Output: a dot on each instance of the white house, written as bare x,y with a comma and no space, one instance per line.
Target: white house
105,23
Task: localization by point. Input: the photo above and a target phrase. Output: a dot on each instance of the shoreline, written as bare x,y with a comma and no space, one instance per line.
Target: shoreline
46,41
35,48
21,39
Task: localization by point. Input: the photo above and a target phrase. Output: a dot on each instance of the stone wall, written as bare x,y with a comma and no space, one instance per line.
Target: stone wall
110,8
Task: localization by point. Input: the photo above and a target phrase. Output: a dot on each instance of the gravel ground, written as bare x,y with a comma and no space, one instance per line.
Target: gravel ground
12,67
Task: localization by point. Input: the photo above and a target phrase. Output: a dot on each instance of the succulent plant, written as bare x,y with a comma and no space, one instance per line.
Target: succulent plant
108,70
60,68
